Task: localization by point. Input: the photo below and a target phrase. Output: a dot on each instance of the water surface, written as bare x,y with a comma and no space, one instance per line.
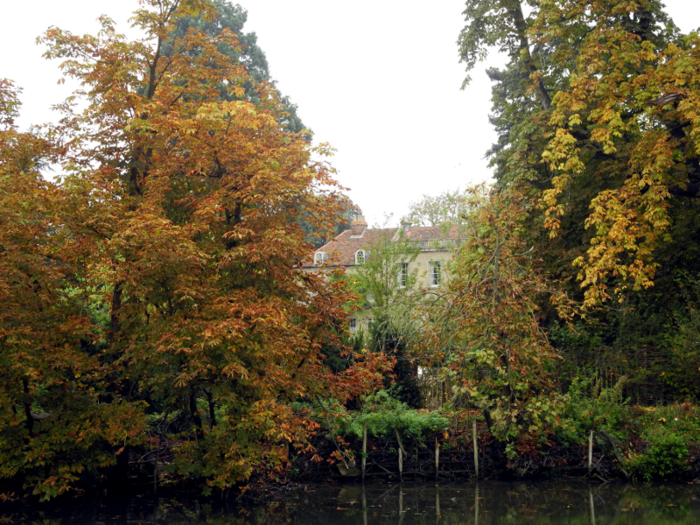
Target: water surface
467,503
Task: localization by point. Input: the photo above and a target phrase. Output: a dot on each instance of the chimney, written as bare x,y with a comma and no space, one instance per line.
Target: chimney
405,226
358,226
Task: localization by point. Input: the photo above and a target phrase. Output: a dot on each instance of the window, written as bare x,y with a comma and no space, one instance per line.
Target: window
353,324
319,257
360,257
435,273
403,274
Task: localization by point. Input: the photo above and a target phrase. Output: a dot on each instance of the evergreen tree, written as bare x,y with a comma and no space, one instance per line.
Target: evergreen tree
248,53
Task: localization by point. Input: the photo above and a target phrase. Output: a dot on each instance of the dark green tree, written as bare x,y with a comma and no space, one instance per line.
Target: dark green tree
596,121
233,17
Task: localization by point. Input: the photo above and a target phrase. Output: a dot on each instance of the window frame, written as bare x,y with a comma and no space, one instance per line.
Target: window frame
402,274
435,273
363,253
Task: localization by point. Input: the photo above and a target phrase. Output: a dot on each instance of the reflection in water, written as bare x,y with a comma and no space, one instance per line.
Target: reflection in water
483,504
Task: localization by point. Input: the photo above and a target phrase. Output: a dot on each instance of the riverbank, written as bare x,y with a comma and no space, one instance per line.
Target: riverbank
447,457
603,439
385,440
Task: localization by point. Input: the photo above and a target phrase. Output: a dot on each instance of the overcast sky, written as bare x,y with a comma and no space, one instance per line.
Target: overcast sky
379,80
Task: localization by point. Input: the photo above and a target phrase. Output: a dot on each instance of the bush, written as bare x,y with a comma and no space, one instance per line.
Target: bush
666,454
383,414
667,431
591,407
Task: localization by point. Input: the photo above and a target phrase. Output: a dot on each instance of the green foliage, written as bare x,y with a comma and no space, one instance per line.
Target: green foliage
376,282
662,435
393,307
485,331
652,340
610,174
403,381
667,432
588,406
382,414
666,453
445,209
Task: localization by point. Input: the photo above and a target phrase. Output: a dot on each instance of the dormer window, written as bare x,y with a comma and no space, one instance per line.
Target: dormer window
319,257
360,257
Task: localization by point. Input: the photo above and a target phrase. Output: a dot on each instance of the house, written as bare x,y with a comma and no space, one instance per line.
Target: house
432,249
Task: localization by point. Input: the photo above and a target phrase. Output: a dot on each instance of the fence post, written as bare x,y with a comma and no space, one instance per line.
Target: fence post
437,458
364,450
402,453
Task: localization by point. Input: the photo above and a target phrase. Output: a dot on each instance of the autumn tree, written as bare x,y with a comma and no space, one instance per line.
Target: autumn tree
636,88
485,331
565,68
177,217
348,211
233,17
596,117
58,419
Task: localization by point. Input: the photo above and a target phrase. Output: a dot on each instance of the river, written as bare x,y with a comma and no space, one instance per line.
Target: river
487,503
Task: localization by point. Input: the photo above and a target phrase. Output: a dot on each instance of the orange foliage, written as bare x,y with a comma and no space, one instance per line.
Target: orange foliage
159,275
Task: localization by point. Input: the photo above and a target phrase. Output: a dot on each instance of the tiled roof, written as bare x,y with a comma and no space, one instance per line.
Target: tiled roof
341,250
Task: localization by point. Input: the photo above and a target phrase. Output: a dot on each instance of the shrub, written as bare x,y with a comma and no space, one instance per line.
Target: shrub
382,414
590,407
666,454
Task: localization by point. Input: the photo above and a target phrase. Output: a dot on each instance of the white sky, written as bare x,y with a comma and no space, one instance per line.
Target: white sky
379,80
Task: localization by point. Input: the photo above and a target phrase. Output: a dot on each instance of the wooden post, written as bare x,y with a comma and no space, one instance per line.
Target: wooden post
364,451
476,448
402,453
590,453
437,458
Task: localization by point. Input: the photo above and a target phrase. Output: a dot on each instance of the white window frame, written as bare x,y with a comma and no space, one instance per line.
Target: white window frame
402,274
360,254
435,273
353,324
319,258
